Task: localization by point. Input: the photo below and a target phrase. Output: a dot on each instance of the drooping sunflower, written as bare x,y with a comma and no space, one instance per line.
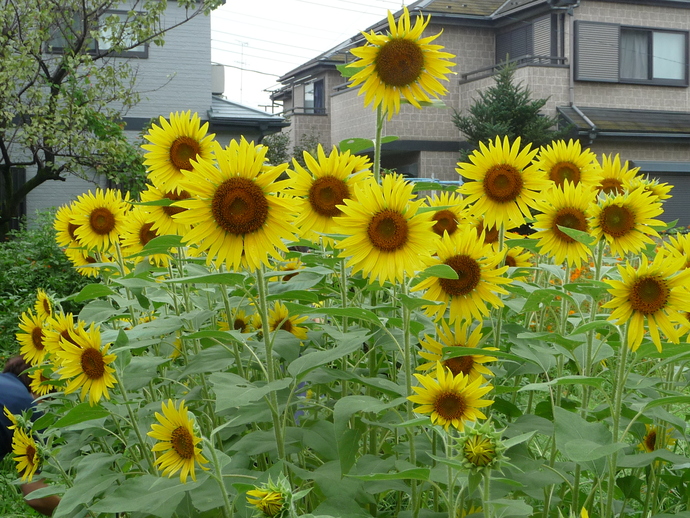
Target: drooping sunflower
387,237
614,176
656,437
177,438
40,383
99,218
31,337
651,185
472,365
656,292
137,231
326,183
64,228
450,400
238,210
625,221
679,245
279,318
563,162
25,454
43,305
82,259
449,216
400,63
479,278
173,145
504,184
162,215
566,206
86,364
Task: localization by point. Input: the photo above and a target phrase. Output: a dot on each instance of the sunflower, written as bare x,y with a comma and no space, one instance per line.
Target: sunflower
289,265
31,337
625,221
239,211
400,63
240,322
82,259
655,291
490,232
280,318
177,438
651,185
566,206
614,177
656,438
99,218
450,400
270,503
14,423
563,162
162,215
505,184
679,245
173,145
64,228
449,215
136,233
387,237
472,365
25,454
478,279
40,383
43,305
479,450
518,257
326,183
86,364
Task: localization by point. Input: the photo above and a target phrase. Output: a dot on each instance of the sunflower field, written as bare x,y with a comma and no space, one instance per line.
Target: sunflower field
282,340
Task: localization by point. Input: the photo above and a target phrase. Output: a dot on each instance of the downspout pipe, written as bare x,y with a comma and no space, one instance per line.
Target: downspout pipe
571,76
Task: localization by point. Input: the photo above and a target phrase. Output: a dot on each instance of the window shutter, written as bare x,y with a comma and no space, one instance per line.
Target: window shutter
596,51
514,44
542,36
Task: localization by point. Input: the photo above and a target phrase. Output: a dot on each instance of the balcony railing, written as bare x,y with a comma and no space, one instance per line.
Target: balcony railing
524,61
301,110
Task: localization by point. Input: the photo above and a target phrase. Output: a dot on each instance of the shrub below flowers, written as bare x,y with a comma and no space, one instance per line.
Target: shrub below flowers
311,346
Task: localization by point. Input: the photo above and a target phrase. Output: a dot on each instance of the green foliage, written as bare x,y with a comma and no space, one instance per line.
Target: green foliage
278,147
12,503
31,259
506,109
308,142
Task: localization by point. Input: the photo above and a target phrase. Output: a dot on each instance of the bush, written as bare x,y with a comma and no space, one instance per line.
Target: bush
31,259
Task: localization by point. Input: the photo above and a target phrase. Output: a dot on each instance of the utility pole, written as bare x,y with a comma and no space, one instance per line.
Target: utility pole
242,63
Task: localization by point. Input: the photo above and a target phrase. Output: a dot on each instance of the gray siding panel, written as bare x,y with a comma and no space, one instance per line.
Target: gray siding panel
596,51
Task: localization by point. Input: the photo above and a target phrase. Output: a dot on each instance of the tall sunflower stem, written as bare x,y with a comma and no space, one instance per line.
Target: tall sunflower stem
380,117
486,493
235,348
499,316
134,422
270,366
407,337
619,384
218,476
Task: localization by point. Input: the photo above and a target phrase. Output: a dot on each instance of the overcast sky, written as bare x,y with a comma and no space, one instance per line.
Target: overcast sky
267,38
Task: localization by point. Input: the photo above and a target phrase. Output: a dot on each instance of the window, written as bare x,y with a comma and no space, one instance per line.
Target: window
314,101
612,53
532,41
110,23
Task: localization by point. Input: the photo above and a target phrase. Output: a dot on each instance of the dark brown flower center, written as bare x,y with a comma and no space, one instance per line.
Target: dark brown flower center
450,406
510,261
102,221
571,218
460,364
387,230
37,338
71,227
170,210
182,150
617,220
469,275
650,440
239,325
239,206
399,62
46,307
287,326
146,234
30,455
445,221
490,234
503,183
182,442
611,186
648,295
327,192
563,171
92,363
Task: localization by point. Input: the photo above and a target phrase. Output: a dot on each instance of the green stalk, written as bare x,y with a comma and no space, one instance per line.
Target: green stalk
499,316
218,476
407,336
486,493
380,117
270,366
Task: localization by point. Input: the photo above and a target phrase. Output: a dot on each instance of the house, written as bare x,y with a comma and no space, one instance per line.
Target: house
617,70
177,76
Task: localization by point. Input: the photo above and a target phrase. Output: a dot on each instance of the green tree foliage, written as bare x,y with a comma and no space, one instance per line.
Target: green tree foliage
278,147
62,92
507,109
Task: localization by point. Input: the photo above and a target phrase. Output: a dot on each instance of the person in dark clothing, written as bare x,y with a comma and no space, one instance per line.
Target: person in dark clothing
16,395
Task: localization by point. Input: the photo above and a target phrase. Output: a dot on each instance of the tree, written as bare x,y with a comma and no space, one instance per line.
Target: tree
62,91
506,109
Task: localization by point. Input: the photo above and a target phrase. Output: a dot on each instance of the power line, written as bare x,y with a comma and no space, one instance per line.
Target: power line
262,50
249,70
